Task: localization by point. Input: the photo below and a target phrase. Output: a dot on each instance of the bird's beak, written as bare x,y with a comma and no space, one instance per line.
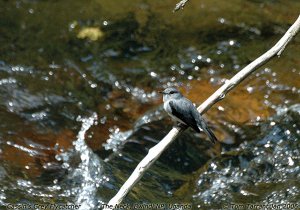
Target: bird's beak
161,92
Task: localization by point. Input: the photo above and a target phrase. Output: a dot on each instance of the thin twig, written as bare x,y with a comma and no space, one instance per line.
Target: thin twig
157,150
180,5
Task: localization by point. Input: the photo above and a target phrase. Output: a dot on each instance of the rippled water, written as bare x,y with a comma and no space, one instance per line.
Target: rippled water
79,102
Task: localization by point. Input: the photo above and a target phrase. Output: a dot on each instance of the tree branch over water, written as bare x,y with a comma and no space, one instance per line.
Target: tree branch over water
220,94
180,5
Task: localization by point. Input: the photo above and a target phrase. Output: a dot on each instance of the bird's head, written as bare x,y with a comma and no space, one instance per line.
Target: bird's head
171,93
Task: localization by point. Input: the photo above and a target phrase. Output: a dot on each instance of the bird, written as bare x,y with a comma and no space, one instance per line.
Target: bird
182,110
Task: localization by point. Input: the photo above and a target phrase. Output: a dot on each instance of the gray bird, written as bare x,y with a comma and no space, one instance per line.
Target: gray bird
182,110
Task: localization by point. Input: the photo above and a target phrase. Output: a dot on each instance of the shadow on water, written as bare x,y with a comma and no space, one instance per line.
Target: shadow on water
79,106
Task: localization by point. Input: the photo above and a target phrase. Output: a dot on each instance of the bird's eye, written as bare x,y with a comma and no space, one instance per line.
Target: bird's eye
172,92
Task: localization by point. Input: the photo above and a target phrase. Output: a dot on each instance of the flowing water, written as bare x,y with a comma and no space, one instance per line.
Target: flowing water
80,108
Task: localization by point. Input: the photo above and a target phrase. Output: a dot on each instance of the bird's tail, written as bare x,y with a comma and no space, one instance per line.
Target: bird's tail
208,132
211,135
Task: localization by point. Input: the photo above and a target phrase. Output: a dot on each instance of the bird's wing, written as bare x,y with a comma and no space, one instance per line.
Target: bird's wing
184,111
187,112
203,125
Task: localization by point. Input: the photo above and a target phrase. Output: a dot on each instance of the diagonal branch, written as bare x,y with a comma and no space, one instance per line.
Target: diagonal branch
157,150
180,5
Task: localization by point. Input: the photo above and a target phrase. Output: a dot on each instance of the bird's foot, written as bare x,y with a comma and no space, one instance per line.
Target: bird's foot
180,125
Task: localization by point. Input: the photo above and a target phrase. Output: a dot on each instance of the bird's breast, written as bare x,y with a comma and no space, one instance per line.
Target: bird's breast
167,107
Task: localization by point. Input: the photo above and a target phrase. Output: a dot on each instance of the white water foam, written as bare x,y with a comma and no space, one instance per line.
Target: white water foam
89,169
87,176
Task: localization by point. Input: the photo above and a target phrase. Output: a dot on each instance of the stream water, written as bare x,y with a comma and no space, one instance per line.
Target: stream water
80,108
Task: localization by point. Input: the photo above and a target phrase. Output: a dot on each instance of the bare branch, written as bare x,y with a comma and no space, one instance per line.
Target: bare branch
157,150
180,5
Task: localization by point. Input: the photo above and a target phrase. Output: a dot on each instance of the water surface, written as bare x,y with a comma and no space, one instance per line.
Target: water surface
79,102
